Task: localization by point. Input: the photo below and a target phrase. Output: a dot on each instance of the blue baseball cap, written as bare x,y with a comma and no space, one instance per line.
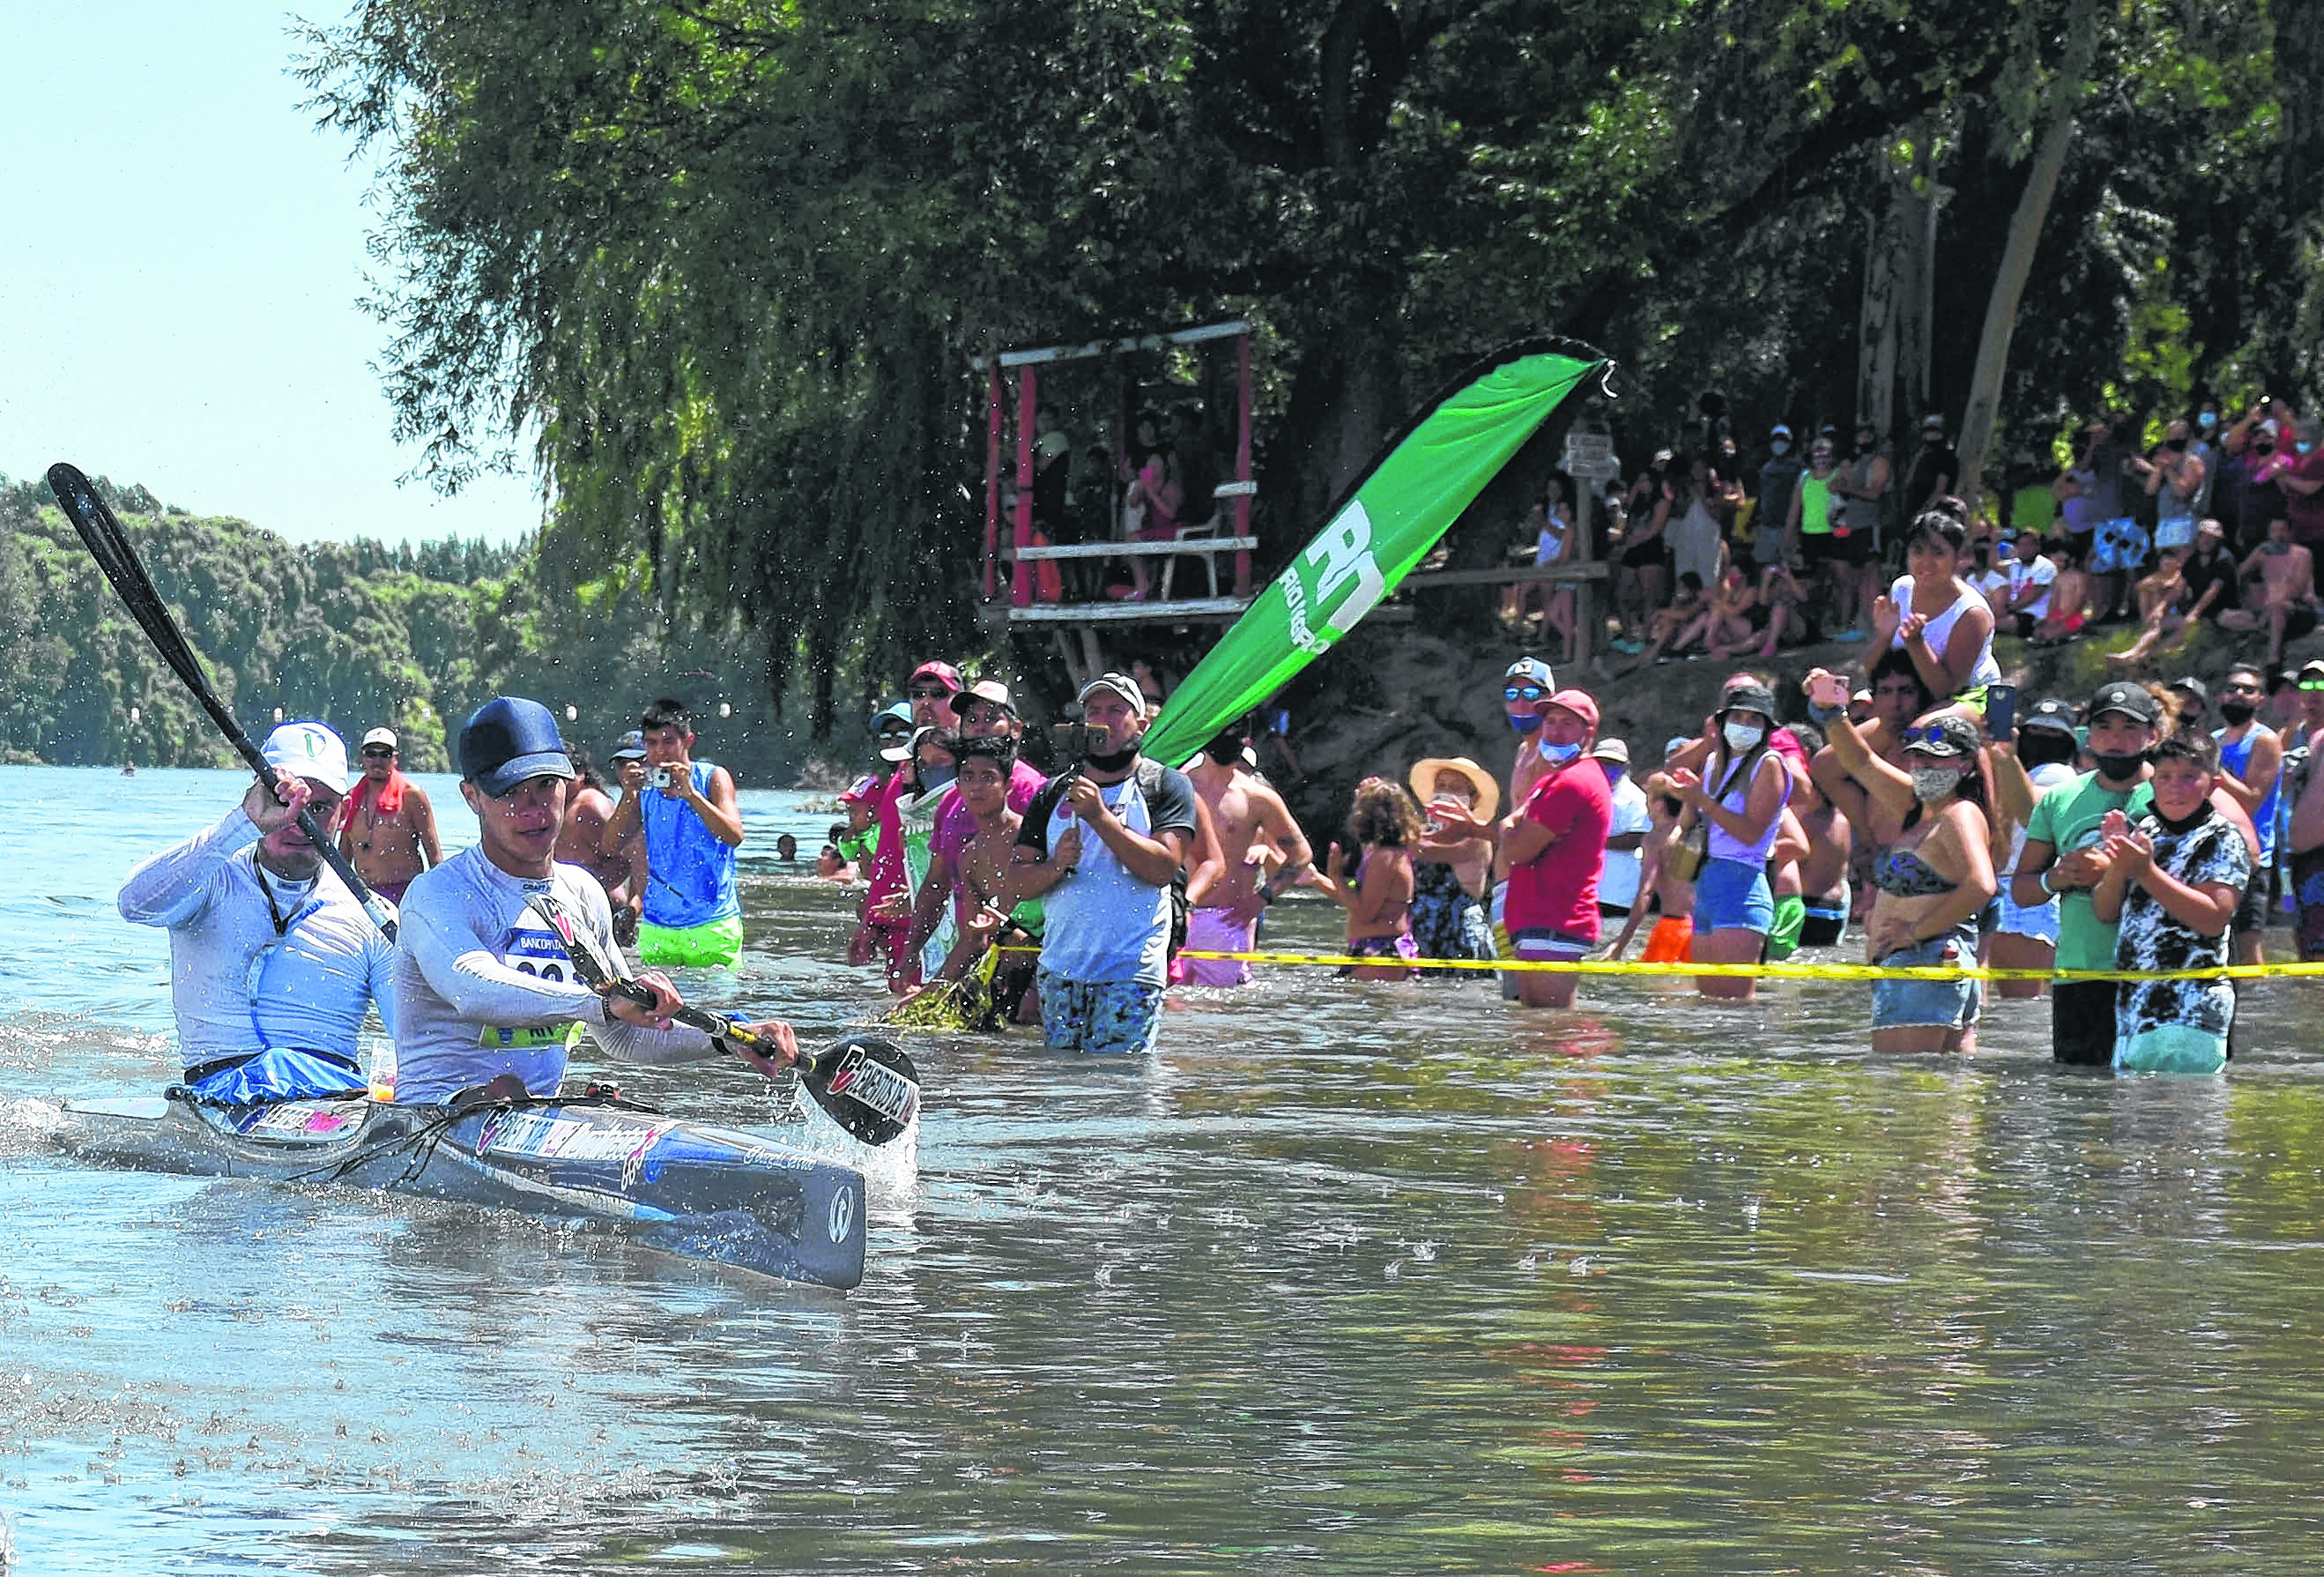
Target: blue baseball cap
509,740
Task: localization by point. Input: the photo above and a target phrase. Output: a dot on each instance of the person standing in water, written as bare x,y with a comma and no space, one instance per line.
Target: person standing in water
1741,793
484,992
387,828
1254,826
691,914
270,954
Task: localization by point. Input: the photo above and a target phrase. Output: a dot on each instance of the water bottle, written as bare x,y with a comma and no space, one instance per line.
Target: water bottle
383,1070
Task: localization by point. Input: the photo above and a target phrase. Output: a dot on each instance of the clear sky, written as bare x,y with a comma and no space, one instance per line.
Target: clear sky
181,274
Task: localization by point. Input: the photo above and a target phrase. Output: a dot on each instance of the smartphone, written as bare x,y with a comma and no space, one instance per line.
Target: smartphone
2001,711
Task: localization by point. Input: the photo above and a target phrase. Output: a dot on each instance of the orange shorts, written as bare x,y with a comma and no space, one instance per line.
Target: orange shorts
1668,944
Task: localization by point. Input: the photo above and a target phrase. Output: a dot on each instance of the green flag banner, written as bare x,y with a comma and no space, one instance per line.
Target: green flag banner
1426,475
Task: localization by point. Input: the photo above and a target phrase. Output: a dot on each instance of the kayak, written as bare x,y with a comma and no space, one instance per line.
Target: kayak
713,1193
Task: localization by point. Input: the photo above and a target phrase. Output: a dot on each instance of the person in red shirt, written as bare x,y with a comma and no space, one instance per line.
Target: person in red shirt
2302,481
1556,844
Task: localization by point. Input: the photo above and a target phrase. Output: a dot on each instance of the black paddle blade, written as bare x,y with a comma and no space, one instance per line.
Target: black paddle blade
866,1084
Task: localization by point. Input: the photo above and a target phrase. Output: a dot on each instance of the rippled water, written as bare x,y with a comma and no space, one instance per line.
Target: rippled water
1372,1279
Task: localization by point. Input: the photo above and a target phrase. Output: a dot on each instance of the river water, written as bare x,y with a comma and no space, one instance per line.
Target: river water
1346,1279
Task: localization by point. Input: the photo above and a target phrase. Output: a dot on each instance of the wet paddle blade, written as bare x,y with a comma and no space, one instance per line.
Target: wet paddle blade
866,1084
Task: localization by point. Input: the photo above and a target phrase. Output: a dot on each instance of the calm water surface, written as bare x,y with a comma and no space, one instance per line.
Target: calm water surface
1346,1278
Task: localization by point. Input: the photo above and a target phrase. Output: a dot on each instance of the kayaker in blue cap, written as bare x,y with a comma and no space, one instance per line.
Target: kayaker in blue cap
485,992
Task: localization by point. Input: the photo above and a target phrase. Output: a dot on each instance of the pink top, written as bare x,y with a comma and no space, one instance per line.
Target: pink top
1558,890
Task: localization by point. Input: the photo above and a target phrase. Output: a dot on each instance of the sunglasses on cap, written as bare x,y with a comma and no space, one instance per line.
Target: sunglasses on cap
2311,684
1522,693
1932,733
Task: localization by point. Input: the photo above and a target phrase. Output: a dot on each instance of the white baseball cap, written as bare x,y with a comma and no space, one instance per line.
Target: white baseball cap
385,736
312,752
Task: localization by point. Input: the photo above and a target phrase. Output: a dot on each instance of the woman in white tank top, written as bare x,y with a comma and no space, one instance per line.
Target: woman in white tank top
1934,615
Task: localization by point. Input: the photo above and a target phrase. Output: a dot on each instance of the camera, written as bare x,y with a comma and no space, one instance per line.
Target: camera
662,777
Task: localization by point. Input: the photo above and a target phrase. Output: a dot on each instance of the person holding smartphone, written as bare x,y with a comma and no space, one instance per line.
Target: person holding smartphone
690,914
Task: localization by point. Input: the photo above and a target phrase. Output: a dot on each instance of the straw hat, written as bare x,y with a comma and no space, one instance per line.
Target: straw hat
1424,782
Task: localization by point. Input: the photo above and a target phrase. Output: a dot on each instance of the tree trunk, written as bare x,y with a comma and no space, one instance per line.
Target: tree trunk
2008,289
1876,323
1916,197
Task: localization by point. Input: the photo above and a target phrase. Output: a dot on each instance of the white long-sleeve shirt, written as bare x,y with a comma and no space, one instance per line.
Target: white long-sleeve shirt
243,982
483,988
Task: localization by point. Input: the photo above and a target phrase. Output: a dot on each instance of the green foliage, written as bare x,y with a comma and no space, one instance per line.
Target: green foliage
353,634
729,258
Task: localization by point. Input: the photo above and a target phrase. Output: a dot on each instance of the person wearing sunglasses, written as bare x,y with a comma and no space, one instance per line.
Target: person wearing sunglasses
2304,827
2251,768
1934,878
386,828
272,963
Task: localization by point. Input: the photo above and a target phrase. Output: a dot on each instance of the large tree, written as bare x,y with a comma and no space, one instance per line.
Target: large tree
725,261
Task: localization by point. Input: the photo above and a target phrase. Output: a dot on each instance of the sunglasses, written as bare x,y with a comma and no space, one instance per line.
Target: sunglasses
926,693
378,754
2311,684
1932,734
2239,686
1522,693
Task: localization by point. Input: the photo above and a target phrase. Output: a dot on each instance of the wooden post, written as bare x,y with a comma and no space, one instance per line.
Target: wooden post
1020,581
1242,463
992,476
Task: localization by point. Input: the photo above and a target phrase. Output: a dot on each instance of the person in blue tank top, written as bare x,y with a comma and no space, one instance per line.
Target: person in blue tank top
2251,768
689,913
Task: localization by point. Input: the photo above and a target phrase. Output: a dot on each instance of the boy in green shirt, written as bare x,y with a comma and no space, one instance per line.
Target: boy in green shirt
2064,856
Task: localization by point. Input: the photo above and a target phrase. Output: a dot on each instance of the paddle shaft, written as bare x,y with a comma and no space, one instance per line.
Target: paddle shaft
108,544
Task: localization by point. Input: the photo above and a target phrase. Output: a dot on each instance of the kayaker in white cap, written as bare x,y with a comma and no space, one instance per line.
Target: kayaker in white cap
269,952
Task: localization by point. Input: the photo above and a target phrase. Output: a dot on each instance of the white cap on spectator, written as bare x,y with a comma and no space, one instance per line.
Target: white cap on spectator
385,736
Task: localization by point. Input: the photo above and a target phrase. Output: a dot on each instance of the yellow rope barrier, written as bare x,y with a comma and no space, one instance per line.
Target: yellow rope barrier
1760,970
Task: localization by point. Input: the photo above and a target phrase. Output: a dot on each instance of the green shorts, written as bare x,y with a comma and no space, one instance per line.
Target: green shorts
1783,936
711,945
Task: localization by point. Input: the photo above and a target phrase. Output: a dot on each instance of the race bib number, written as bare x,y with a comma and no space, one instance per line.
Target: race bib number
534,950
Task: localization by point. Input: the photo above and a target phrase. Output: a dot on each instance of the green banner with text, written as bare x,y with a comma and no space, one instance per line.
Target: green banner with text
1426,475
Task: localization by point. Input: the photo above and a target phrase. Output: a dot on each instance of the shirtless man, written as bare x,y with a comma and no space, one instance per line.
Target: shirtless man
2288,601
630,772
387,827
1254,827
1823,869
587,809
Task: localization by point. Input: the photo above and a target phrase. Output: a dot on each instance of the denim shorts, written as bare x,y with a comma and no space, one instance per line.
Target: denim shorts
1730,896
1541,945
1904,1004
2039,921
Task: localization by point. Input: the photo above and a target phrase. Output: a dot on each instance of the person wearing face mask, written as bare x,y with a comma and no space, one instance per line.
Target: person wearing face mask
1527,684
1935,876
2064,857
1554,846
2250,768
1771,517
2173,477
932,768
2302,481
1741,793
1255,829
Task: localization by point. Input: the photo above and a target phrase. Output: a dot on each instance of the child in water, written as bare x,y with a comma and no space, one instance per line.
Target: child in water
2173,880
1385,825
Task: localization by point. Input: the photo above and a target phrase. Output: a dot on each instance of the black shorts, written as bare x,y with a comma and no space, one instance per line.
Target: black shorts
1831,547
2026,624
2251,910
1646,555
2081,1021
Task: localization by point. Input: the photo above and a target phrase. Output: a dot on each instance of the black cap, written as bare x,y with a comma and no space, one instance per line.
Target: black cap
2193,687
1949,735
2049,712
1751,697
2133,701
508,740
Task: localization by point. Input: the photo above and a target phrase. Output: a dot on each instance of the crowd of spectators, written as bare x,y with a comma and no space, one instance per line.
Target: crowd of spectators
2169,525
